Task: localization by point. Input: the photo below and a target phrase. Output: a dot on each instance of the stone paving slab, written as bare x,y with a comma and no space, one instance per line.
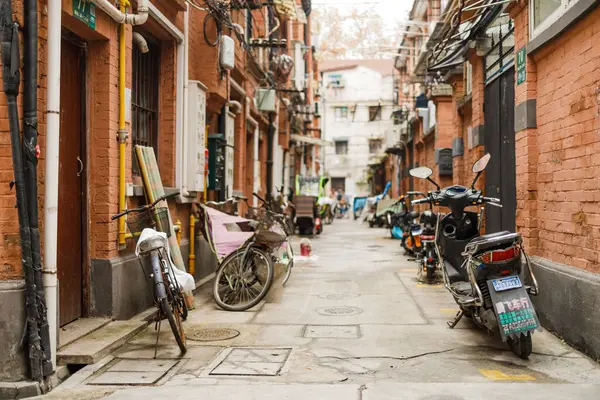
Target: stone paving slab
126,378
249,392
302,309
474,391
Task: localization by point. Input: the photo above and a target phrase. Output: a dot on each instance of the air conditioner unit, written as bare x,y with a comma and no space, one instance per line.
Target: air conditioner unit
196,138
265,99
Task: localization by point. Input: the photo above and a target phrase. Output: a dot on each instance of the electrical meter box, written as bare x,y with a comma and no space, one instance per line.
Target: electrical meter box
196,138
265,99
227,53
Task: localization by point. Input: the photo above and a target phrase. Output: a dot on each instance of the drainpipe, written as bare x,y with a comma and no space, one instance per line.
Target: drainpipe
186,106
30,159
51,171
120,16
141,42
11,78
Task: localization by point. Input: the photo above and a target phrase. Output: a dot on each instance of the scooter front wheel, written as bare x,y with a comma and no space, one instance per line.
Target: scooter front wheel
521,346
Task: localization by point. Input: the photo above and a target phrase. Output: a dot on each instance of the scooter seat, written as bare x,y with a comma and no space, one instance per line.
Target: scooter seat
485,242
454,275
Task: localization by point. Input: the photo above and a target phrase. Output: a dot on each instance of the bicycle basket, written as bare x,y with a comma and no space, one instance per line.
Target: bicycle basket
156,218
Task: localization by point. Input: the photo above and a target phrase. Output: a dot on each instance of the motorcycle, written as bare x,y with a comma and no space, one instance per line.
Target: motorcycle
411,233
482,272
428,257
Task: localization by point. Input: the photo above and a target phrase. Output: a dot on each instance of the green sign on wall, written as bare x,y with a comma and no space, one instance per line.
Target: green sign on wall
521,63
85,11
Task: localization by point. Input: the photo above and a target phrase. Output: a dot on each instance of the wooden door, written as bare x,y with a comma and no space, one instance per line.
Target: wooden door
71,188
500,178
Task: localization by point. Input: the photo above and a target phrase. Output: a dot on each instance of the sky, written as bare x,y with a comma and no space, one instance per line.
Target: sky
390,10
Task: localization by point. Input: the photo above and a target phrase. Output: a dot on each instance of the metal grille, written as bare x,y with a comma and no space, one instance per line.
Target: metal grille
501,55
144,99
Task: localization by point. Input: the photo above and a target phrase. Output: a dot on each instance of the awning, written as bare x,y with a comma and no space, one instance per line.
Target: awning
286,7
310,140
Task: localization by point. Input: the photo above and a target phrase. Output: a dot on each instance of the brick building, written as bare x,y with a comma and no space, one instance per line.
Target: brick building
96,265
521,81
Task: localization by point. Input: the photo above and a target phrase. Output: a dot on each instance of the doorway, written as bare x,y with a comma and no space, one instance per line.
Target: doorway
500,178
72,172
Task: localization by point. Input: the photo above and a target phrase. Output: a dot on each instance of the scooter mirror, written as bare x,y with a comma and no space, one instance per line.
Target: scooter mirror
421,172
482,163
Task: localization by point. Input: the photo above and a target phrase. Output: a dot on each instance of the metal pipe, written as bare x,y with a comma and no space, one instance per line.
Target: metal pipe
141,42
120,16
122,133
192,256
51,171
11,79
186,100
30,152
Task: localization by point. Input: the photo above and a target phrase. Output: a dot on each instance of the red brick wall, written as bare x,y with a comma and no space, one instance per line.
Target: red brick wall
558,163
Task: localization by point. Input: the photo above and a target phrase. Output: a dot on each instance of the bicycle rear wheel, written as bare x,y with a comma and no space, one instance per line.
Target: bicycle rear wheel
240,287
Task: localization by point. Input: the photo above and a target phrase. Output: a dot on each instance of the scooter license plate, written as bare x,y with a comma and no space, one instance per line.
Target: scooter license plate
512,282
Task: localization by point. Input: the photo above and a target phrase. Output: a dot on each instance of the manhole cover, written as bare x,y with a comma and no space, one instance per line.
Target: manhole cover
338,281
341,310
211,335
337,296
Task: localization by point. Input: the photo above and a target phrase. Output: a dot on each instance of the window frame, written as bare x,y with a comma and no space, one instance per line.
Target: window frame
338,153
372,149
342,116
152,137
377,115
551,19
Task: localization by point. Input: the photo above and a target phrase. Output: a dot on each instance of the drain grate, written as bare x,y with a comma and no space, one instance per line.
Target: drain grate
339,311
337,296
211,335
253,362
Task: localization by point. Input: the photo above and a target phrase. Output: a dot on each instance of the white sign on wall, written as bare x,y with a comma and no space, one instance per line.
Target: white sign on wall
196,140
229,154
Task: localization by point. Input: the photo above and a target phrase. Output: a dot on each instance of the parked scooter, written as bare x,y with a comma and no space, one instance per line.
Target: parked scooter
483,273
370,209
428,257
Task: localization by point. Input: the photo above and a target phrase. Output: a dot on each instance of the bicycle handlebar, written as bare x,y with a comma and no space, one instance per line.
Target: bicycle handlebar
258,197
146,207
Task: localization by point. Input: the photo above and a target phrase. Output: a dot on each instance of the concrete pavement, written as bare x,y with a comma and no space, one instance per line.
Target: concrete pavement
353,323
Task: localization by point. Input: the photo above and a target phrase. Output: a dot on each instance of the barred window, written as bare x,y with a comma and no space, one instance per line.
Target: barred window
145,98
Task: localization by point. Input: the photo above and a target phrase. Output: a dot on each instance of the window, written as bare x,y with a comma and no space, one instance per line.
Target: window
374,113
335,81
545,12
341,113
341,147
144,99
375,145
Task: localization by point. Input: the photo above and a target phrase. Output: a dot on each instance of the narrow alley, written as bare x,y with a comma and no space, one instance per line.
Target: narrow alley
352,323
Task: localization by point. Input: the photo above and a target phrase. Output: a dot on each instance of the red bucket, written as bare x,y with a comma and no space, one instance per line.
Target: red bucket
305,248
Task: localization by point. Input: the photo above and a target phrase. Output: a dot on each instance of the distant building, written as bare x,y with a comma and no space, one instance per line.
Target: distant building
358,101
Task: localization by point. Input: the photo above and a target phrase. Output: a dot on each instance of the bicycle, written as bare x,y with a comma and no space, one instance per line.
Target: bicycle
151,227
281,221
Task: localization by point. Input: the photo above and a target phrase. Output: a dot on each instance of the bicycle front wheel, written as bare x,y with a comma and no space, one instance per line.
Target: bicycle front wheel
240,287
290,265
174,316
